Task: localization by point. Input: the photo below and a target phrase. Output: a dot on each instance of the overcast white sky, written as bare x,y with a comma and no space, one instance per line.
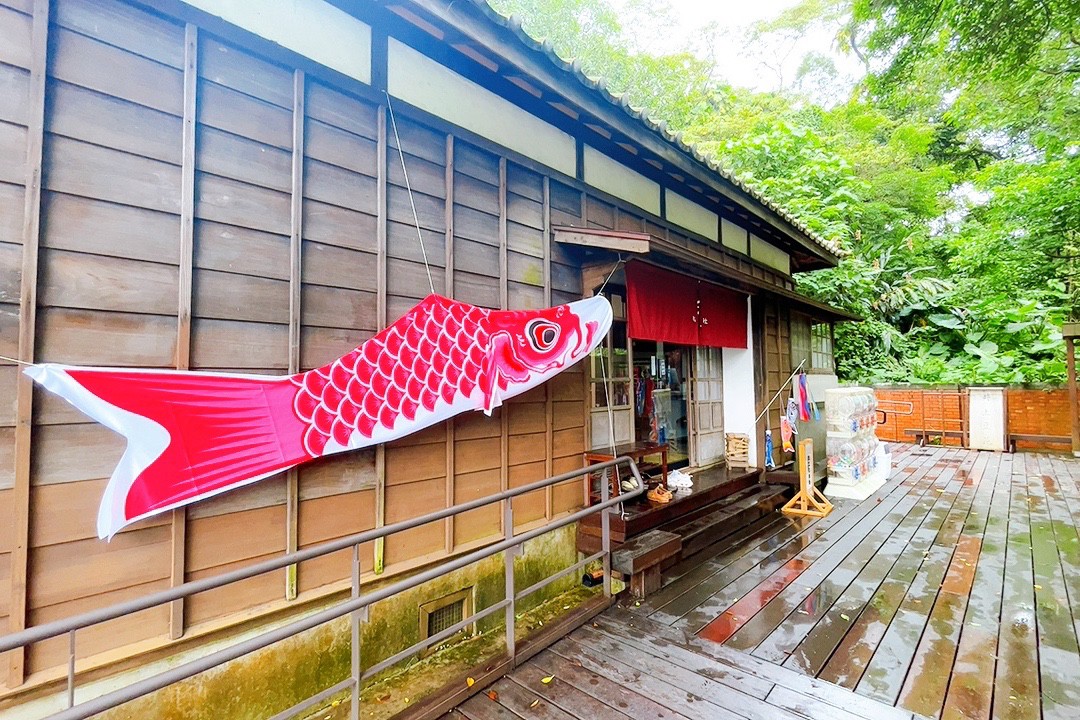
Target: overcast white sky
720,27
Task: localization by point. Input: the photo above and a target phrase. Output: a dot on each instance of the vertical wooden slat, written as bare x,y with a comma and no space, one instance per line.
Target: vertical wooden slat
449,284
549,405
586,387
1074,411
503,273
296,234
380,233
178,525
35,137
504,300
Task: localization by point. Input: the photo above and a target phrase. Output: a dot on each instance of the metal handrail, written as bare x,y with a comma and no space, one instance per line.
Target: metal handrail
355,605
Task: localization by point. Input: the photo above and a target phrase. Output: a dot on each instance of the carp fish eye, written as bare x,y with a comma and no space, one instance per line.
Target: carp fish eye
542,334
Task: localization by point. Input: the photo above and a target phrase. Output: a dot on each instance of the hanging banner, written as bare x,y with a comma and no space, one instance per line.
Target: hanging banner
667,306
193,435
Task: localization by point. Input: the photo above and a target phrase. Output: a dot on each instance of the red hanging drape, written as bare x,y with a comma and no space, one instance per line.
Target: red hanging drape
723,315
661,305
667,306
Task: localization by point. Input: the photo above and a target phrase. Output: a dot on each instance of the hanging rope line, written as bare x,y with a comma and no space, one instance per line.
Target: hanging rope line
603,366
15,361
408,187
793,374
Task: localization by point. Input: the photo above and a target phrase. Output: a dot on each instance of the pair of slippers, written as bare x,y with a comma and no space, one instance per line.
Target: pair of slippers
659,494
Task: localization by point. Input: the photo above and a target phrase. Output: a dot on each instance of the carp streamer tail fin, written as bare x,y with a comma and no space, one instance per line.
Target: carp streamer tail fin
189,435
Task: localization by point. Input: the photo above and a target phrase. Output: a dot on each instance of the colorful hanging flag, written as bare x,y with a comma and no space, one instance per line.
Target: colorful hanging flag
804,402
786,432
192,435
769,462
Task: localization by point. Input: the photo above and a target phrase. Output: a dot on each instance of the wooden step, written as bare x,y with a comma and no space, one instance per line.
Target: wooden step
725,517
640,516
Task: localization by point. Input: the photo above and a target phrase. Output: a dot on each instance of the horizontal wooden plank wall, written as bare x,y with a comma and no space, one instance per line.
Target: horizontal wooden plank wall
114,277
112,283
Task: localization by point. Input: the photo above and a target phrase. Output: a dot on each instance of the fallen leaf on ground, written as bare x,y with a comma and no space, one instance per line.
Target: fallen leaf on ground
547,680
844,615
470,682
493,695
534,703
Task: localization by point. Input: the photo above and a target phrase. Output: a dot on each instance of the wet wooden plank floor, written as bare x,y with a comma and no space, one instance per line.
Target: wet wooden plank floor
949,593
625,667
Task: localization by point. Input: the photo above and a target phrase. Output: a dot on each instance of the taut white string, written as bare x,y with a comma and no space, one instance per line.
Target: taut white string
408,187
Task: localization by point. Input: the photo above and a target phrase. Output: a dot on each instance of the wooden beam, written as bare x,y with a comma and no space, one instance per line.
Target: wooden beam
504,300
178,524
448,540
24,393
633,242
1074,411
504,292
296,239
380,303
549,401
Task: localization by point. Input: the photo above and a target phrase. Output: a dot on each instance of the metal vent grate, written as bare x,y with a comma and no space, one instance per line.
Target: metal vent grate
446,616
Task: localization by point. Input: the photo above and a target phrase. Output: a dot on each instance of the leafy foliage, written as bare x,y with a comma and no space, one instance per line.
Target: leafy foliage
951,174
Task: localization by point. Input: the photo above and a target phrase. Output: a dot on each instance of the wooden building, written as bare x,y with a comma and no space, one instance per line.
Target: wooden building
210,186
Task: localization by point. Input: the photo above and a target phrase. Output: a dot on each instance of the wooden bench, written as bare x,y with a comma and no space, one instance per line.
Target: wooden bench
1042,439
923,436
639,558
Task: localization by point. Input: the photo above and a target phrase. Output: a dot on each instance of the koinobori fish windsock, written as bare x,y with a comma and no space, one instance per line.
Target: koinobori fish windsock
192,435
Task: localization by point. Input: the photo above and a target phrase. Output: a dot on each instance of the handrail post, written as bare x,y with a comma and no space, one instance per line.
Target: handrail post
508,579
605,528
71,670
354,621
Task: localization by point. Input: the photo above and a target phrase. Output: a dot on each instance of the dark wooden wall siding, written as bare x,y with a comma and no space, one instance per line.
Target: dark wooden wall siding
111,165
290,239
776,353
339,309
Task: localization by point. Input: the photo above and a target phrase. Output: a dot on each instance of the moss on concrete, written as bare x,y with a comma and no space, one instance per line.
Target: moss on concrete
275,678
411,682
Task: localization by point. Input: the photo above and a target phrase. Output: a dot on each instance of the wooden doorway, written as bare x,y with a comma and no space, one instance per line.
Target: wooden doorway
707,406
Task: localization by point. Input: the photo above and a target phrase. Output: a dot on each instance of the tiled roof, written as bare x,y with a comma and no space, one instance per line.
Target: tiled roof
599,86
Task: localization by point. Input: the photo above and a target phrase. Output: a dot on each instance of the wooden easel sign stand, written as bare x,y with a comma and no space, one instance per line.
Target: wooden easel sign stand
808,500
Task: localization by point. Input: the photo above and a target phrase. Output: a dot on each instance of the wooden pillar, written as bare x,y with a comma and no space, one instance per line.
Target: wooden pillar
504,303
549,402
1071,331
448,542
296,234
24,393
380,269
178,523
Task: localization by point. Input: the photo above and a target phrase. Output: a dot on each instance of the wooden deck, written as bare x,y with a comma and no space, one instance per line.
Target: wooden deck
948,593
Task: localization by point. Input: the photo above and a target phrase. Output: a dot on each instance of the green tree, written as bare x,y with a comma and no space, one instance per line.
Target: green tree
950,175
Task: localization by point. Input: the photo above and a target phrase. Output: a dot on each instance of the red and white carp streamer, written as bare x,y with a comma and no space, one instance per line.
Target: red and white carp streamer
192,435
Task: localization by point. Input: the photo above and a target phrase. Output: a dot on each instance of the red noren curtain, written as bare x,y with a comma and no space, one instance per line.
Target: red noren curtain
670,307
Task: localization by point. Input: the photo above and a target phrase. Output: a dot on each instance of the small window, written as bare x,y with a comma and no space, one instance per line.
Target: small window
611,360
800,342
439,615
821,346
